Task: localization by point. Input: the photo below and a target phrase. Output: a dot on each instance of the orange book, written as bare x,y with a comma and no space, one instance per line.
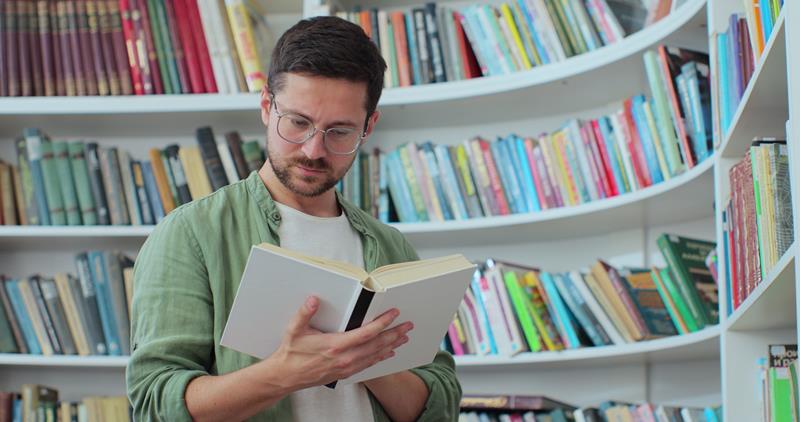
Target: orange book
401,44
365,22
759,29
161,180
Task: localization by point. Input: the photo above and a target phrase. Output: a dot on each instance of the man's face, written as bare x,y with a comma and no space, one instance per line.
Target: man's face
309,169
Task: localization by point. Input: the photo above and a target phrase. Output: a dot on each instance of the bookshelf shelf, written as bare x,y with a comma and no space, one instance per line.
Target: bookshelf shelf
12,359
771,305
669,201
699,345
763,109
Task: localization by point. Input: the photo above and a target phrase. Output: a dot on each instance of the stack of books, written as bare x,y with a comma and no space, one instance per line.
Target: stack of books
758,225
511,308
124,47
68,315
41,403
778,386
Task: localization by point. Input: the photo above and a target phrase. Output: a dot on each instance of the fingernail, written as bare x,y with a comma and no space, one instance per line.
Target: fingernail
311,303
395,313
409,326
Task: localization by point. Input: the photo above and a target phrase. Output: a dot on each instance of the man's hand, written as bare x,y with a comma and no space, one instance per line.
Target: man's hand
308,357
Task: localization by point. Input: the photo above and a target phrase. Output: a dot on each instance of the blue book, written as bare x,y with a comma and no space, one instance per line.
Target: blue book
561,312
766,19
724,95
526,174
537,42
700,110
383,188
580,309
482,314
487,50
151,189
452,190
399,190
504,170
105,302
25,323
33,140
509,150
16,410
647,141
436,176
411,36
728,268
613,155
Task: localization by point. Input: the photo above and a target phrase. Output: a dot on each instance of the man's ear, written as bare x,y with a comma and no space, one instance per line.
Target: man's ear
371,122
266,103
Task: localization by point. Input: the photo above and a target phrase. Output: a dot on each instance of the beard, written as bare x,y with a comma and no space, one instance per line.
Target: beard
307,186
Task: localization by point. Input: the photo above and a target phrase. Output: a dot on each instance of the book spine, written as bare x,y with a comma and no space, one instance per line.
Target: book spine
111,178
141,193
86,55
34,317
105,50
142,56
71,313
211,158
153,192
178,173
34,151
40,315
12,33
58,318
128,189
162,181
245,45
93,23
96,182
130,45
21,312
15,343
45,42
88,302
204,58
154,64
83,187
104,298
66,181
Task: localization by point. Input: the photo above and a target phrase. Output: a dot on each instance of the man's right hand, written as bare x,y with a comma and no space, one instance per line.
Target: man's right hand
309,357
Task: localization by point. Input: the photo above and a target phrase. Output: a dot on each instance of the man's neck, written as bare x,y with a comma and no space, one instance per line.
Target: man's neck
324,205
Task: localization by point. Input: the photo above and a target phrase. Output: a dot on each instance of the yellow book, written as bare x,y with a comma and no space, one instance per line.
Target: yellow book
527,36
36,318
559,139
245,45
512,28
127,277
196,176
530,281
651,126
767,203
71,312
552,168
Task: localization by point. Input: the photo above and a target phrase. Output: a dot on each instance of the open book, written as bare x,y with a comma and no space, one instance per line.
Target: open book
276,282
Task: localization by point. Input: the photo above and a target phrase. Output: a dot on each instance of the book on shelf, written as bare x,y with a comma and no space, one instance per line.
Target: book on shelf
81,315
758,218
111,47
41,403
777,392
511,308
349,298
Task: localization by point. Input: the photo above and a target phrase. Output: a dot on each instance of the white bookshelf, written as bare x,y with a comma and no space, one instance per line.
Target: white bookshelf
621,229
769,313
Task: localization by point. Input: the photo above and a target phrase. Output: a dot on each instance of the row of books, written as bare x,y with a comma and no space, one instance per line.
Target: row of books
511,308
68,315
758,222
778,388
78,183
124,47
739,49
435,43
524,408
40,403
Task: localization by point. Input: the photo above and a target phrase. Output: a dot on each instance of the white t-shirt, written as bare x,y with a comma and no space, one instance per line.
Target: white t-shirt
331,238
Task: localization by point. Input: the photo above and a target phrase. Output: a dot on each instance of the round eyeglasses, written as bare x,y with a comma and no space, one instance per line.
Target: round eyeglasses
296,129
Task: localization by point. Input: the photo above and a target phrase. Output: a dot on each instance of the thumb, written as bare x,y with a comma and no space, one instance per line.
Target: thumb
300,321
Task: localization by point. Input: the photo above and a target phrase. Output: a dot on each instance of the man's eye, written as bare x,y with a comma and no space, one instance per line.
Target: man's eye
340,132
300,123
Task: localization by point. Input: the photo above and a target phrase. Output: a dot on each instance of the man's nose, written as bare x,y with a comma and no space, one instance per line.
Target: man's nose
314,148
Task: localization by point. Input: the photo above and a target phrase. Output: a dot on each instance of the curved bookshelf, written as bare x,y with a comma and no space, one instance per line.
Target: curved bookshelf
617,65
666,202
703,344
700,344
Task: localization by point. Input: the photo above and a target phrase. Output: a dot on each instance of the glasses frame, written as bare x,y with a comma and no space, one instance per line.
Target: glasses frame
313,132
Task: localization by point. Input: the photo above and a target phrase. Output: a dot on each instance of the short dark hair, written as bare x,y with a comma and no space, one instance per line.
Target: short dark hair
331,47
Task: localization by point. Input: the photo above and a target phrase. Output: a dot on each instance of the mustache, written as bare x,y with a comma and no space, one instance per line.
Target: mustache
318,164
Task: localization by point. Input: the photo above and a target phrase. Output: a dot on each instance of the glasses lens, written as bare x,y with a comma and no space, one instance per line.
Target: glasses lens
294,128
342,140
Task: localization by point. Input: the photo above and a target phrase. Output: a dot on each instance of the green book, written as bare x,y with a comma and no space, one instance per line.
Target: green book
68,193
683,309
780,395
155,22
413,185
26,178
253,155
393,65
573,27
559,26
670,304
518,300
83,187
686,259
167,42
7,342
52,187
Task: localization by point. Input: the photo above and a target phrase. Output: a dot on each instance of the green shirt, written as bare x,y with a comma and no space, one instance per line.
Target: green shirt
186,277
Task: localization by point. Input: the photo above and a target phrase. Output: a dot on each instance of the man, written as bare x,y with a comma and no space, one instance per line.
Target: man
319,106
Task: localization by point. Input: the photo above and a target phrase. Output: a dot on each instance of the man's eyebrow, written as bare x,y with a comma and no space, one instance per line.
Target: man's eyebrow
336,123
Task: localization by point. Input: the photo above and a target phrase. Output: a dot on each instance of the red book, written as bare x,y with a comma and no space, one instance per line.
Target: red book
152,58
3,57
131,47
494,177
596,170
142,51
472,68
180,57
635,146
75,49
23,48
118,45
12,61
398,21
605,158
87,57
46,44
201,48
66,56
55,42
189,48
96,47
37,73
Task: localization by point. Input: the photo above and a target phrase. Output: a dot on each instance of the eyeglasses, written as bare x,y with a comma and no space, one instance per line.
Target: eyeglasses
296,129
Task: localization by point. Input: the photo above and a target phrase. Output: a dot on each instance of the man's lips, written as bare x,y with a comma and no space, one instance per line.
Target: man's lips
311,169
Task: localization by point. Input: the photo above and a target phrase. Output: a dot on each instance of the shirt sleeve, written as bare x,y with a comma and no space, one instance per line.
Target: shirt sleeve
444,390
171,334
